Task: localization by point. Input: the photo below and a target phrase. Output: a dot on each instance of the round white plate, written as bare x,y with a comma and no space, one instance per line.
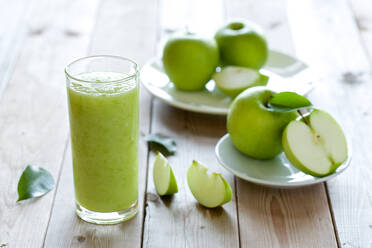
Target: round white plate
286,74
277,173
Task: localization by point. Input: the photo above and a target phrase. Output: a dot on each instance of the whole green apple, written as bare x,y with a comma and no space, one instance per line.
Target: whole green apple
256,129
242,43
190,61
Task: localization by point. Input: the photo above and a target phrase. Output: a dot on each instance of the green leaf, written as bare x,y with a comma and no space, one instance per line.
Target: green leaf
163,144
288,101
34,182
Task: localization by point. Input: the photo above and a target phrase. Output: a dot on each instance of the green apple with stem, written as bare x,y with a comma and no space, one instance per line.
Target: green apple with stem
255,128
232,80
190,61
209,189
242,43
315,144
164,179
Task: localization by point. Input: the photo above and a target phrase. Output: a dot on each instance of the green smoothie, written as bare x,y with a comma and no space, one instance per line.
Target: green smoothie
104,138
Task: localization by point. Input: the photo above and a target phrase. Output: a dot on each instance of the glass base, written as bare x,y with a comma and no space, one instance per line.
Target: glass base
106,218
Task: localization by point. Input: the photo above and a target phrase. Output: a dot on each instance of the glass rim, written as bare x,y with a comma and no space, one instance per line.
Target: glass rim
135,66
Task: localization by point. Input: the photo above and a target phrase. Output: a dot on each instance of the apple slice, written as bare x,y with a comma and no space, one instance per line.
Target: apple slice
315,144
164,180
232,80
210,190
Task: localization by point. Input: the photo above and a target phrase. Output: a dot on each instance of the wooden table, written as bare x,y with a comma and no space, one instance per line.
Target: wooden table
39,37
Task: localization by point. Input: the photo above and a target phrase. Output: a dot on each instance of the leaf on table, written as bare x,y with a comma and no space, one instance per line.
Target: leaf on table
289,101
34,182
163,144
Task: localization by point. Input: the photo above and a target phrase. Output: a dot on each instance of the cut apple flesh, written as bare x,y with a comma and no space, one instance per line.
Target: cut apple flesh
232,80
210,190
334,140
317,147
164,180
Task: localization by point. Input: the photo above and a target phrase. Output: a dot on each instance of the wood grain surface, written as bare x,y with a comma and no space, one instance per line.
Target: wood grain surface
271,217
331,43
38,38
113,15
179,221
33,114
13,26
362,10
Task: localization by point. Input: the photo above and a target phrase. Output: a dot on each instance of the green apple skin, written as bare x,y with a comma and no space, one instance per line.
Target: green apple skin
255,129
172,187
190,61
228,193
242,43
295,161
202,185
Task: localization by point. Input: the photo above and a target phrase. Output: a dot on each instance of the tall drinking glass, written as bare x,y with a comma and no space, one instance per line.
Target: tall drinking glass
103,109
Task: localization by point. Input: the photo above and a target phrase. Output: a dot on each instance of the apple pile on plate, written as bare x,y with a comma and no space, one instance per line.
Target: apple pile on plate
233,59
313,143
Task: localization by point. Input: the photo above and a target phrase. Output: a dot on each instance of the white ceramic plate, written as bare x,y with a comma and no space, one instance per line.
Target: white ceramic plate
277,173
286,74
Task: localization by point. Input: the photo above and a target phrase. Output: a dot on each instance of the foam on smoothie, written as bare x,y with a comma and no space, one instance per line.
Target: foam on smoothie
103,83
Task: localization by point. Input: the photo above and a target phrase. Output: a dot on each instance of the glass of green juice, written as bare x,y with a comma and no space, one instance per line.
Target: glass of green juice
104,111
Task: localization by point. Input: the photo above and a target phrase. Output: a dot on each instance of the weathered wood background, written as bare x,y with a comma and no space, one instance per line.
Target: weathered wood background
39,37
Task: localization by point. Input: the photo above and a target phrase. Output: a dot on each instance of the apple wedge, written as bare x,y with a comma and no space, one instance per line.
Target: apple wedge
232,80
210,190
164,180
315,144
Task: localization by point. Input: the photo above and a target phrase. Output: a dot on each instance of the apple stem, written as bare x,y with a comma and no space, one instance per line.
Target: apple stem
303,118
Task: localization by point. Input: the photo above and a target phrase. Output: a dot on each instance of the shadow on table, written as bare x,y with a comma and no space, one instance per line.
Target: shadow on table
180,121
210,212
217,220
167,200
91,235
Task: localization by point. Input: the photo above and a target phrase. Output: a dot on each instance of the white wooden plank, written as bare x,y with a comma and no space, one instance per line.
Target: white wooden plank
33,113
202,17
179,221
270,15
270,217
14,16
362,12
327,37
124,28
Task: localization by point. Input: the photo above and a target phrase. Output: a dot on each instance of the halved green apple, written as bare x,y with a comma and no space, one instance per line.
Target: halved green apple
210,190
164,180
232,80
315,144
